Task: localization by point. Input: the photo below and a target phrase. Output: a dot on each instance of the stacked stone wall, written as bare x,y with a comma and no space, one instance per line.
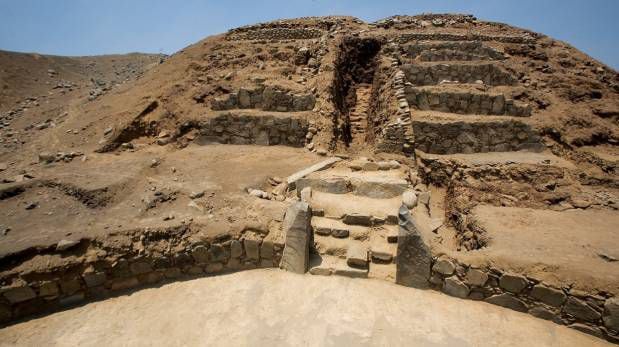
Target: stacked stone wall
595,314
460,37
489,74
91,271
265,98
479,137
279,33
466,102
232,128
447,51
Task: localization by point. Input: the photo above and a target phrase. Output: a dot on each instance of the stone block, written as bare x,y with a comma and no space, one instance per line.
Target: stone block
71,286
252,249
200,254
124,283
172,272
266,250
544,313
236,249
509,301
217,253
547,295
581,310
357,255
19,294
454,287
357,219
48,289
587,329
413,260
513,283
444,266
5,313
214,267
94,279
298,230
475,277
611,314
140,267
72,300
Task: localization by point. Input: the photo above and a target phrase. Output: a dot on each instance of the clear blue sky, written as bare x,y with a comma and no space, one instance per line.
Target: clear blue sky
89,27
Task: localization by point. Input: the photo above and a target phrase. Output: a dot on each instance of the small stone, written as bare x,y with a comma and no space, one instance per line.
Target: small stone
543,313
200,254
475,277
513,283
140,267
48,289
196,195
94,279
444,266
454,287
357,219
215,267
236,249
369,166
31,205
587,329
63,245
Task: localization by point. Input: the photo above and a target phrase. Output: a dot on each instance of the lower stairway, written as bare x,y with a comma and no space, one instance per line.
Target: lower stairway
359,114
354,221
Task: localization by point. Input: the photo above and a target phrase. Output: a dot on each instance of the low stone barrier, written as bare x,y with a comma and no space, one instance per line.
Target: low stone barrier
461,37
265,98
479,137
276,34
260,130
489,74
466,102
98,268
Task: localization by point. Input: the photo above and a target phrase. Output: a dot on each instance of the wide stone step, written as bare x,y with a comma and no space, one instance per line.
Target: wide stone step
432,73
441,133
358,208
377,184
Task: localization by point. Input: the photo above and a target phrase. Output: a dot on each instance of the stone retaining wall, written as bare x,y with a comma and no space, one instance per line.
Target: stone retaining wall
446,51
276,34
466,102
396,136
466,137
260,130
490,74
265,98
90,270
459,37
595,314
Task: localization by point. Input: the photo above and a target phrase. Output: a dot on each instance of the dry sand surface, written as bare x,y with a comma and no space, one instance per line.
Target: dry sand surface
275,308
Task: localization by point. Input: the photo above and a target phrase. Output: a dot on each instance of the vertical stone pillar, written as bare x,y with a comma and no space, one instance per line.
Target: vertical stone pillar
414,260
298,229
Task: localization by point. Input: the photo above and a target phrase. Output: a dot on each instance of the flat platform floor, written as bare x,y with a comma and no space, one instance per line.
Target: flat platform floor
574,247
275,308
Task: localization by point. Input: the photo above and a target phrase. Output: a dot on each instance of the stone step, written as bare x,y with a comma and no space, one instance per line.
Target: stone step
448,133
385,272
381,251
322,265
336,228
382,184
327,245
357,208
452,51
456,99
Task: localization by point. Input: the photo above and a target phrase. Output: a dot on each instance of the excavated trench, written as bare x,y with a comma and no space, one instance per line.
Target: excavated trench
354,88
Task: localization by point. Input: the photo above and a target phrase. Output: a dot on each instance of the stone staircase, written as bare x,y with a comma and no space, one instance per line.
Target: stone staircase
359,114
464,106
354,221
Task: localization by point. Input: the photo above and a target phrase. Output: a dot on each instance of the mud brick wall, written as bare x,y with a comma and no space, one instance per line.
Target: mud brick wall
259,130
593,313
490,74
143,259
464,137
466,103
265,98
458,50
